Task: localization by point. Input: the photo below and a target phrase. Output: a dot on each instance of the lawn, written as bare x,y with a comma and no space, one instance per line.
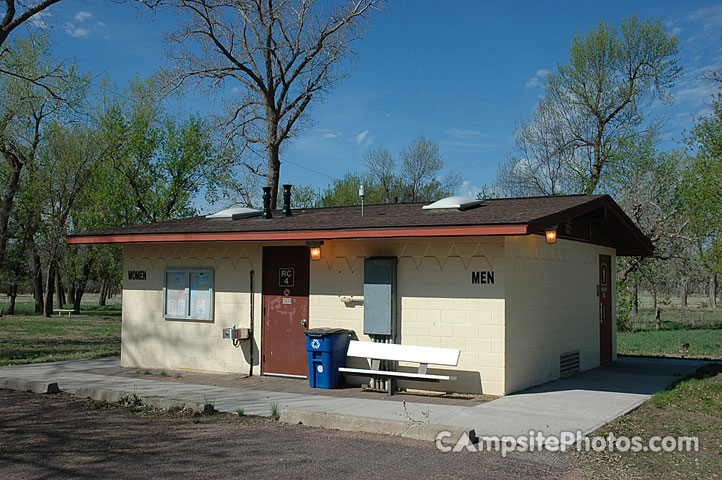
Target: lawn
702,343
29,338
694,332
689,407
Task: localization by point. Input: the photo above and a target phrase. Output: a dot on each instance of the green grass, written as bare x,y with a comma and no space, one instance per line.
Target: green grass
702,343
699,327
677,318
701,393
691,406
33,339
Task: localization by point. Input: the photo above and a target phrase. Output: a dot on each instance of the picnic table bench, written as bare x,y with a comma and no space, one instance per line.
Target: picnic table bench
376,352
61,311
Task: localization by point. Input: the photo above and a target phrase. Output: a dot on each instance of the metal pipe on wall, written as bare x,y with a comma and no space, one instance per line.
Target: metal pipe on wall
250,344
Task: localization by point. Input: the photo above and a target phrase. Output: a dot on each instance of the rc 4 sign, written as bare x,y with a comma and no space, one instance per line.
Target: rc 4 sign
286,277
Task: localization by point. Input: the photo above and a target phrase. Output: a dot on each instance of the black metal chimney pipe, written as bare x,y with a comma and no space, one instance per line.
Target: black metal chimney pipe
287,200
267,214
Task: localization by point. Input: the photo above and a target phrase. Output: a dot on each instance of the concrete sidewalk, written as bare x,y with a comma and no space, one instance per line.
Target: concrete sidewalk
582,402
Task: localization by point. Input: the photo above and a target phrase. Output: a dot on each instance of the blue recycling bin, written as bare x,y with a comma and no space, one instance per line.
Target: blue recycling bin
326,349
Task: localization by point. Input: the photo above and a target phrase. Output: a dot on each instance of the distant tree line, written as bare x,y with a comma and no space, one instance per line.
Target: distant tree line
417,176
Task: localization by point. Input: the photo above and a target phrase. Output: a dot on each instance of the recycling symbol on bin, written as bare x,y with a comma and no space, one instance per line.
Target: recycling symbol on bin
315,343
320,369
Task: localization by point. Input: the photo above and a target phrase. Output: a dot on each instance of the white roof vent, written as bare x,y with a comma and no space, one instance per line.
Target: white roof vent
459,203
236,213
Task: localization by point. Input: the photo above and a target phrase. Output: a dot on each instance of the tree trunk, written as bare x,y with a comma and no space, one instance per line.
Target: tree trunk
13,295
37,280
79,286
713,291
50,289
103,293
654,298
274,168
635,301
60,290
7,203
658,318
685,292
78,296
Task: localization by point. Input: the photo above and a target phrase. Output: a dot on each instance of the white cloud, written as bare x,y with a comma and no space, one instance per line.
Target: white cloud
74,31
362,136
469,190
459,133
83,16
535,81
330,134
101,24
710,17
38,20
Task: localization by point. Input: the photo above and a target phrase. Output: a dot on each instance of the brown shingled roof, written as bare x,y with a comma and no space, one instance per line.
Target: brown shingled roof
495,217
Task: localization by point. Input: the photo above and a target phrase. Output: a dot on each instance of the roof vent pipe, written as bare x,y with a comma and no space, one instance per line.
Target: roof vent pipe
267,214
287,200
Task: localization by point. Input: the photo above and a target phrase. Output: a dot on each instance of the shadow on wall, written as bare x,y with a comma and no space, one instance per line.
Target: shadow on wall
248,346
466,381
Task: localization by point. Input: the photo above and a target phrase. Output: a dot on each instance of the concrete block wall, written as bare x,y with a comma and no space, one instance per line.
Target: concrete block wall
552,307
437,304
542,303
151,341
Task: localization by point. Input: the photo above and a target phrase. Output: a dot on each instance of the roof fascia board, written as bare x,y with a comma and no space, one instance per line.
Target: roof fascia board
513,229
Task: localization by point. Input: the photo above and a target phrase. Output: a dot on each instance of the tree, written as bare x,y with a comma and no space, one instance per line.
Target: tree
610,76
66,164
418,178
646,184
381,167
591,107
26,107
542,162
12,18
345,192
421,165
155,164
283,55
702,192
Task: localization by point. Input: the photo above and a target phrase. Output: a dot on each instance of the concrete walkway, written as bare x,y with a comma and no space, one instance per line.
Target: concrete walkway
582,402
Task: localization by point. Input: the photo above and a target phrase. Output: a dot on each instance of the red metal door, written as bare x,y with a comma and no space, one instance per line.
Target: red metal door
285,310
605,309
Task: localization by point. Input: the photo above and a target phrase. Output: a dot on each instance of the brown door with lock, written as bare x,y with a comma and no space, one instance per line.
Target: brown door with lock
605,309
285,311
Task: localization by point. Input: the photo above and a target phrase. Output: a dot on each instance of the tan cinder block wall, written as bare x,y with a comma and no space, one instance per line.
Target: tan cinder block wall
542,303
151,341
552,307
437,304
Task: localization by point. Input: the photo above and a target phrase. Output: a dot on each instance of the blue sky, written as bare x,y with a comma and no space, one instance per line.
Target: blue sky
461,73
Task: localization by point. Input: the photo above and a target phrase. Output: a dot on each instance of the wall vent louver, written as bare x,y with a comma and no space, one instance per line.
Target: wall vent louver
568,363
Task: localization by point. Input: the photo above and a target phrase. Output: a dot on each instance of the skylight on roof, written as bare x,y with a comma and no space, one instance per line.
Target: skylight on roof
238,212
459,203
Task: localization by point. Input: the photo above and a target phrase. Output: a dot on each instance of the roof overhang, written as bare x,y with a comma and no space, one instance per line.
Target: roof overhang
469,230
599,221
621,231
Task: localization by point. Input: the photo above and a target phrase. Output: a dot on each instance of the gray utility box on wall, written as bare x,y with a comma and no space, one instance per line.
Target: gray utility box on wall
380,295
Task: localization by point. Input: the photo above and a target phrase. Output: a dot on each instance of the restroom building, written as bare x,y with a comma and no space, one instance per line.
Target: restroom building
523,287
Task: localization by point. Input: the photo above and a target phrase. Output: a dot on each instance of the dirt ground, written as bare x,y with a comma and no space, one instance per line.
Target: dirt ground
59,436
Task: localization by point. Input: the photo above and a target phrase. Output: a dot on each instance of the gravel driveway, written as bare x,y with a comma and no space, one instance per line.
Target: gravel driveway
58,436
